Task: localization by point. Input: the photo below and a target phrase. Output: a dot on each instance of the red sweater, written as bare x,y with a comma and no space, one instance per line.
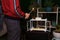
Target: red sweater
8,8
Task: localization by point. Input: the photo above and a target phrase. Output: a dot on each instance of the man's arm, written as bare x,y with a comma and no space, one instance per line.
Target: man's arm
20,11
18,8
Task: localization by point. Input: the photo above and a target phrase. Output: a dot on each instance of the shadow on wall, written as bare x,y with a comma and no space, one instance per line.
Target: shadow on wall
24,5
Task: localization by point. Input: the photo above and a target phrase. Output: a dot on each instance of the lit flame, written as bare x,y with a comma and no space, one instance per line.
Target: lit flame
32,8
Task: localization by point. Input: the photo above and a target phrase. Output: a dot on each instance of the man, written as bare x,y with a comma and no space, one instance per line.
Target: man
13,13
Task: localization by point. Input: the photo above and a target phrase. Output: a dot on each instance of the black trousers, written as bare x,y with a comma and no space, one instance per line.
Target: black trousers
13,29
1,18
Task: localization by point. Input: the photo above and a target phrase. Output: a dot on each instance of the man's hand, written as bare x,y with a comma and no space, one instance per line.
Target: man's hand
27,15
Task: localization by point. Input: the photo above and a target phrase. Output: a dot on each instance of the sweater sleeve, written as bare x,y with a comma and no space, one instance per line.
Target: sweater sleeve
19,8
